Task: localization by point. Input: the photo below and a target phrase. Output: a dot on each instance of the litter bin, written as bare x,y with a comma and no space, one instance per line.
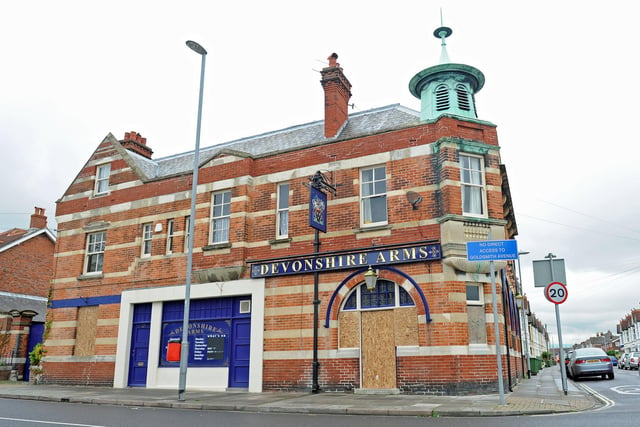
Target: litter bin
535,365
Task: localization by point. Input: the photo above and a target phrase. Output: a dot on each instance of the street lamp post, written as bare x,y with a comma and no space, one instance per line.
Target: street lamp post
184,350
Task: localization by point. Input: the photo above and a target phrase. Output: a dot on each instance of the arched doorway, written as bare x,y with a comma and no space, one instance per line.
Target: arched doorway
378,321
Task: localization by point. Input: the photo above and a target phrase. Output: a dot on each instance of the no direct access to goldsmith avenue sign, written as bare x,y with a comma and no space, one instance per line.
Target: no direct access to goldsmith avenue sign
492,250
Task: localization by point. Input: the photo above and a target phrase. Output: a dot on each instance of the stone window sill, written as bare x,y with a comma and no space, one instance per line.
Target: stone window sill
216,246
90,276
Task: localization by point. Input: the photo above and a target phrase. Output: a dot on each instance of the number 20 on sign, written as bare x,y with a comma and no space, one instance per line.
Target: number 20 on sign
556,292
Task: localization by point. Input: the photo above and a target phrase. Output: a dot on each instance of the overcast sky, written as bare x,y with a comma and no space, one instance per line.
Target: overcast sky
561,85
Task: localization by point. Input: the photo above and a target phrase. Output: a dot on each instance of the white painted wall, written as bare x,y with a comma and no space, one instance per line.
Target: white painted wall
197,378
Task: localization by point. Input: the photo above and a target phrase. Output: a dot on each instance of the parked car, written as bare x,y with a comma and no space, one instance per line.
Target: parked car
623,362
634,359
590,362
614,360
567,357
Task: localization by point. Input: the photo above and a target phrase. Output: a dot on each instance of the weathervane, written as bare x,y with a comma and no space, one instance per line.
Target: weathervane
442,33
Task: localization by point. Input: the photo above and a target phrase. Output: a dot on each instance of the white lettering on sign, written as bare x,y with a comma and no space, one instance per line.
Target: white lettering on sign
492,250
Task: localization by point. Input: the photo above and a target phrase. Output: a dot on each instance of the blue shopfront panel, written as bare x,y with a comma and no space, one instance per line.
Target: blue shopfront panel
211,333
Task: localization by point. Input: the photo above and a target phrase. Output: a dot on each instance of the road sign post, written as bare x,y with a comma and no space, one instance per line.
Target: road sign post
494,250
546,274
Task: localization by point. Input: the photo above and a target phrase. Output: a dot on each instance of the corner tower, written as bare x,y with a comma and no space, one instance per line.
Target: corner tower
447,88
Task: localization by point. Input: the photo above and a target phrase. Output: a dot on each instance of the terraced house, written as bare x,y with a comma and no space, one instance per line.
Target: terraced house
403,191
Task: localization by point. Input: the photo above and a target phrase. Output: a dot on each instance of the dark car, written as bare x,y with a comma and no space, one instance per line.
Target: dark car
590,362
614,361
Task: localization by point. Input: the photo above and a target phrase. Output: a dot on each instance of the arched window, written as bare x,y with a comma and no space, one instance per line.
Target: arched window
385,294
463,98
442,98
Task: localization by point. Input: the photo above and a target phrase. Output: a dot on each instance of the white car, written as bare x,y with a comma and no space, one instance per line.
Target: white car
634,360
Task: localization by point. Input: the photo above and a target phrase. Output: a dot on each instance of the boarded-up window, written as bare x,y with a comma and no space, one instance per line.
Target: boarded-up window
477,324
349,329
406,326
86,331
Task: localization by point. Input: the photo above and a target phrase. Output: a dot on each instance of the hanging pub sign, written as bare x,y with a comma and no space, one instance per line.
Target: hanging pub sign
336,261
317,209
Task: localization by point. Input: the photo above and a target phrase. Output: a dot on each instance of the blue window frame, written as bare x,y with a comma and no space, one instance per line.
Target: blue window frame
385,294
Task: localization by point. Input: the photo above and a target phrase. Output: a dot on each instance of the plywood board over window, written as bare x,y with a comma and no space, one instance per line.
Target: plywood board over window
378,350
86,330
406,326
477,325
349,329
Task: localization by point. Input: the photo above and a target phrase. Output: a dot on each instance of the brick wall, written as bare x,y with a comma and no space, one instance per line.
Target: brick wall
28,268
422,158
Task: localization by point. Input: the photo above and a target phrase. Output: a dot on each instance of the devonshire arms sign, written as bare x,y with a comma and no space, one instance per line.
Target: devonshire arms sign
345,261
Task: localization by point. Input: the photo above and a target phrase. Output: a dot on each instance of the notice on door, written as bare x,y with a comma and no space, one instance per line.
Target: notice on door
215,347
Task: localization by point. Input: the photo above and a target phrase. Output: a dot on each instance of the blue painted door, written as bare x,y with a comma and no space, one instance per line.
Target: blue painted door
36,333
240,354
139,355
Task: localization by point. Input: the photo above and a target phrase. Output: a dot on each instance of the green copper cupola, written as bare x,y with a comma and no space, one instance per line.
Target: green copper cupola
447,88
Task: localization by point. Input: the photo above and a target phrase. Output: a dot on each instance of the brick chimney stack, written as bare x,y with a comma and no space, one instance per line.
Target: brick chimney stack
133,141
38,219
337,91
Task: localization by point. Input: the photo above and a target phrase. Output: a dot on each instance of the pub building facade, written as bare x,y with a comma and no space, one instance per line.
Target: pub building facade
391,195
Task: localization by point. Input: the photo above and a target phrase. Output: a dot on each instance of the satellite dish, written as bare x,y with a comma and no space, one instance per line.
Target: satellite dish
414,198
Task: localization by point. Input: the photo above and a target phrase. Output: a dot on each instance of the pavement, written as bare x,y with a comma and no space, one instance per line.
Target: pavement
541,394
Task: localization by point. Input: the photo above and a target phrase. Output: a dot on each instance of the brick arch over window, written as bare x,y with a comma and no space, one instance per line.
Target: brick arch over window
386,273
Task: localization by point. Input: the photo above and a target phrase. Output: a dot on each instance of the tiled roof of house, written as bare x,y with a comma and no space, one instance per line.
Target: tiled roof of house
9,236
292,138
12,237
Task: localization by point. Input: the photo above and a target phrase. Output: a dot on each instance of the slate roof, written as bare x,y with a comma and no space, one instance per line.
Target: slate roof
292,138
9,301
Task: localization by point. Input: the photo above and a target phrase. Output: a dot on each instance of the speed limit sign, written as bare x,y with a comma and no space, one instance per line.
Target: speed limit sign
556,292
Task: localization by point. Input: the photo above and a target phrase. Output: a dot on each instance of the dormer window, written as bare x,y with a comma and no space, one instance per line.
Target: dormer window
442,98
102,179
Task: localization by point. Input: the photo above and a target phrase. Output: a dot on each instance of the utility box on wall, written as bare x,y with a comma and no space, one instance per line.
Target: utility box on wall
174,347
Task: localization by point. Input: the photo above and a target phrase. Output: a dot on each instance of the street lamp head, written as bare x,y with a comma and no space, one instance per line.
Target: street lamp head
523,252
519,301
194,46
370,279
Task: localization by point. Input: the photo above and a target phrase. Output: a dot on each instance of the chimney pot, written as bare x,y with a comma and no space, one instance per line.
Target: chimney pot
332,60
133,141
337,91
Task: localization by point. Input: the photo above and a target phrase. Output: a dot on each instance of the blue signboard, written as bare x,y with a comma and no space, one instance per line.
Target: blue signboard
372,257
492,250
318,209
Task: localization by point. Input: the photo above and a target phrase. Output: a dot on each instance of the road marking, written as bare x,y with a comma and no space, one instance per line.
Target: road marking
25,420
608,403
627,389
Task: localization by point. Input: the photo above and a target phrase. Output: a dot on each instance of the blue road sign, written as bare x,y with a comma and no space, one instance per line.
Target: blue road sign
492,250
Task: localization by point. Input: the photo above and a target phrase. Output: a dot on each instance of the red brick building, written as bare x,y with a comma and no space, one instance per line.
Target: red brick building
411,188
26,270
